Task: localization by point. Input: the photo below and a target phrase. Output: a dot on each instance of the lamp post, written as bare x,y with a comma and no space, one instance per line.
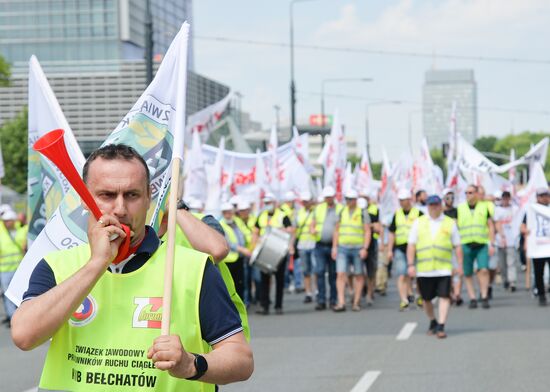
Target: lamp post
332,80
277,109
367,127
292,83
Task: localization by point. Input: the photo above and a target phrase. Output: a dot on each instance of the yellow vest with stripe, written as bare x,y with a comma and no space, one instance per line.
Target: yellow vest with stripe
403,224
103,346
434,253
12,250
351,231
275,221
247,231
303,224
181,240
373,210
473,227
320,215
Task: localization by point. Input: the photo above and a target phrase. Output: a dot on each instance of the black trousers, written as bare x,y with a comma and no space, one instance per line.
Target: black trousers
237,273
279,286
538,264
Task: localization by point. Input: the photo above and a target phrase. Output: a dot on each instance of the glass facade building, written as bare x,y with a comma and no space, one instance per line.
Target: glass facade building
77,30
441,89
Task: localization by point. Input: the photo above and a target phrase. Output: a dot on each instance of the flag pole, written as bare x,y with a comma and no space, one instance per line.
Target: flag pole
177,158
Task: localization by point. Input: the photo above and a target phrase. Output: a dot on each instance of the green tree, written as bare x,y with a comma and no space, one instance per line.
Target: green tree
13,141
439,160
5,72
486,143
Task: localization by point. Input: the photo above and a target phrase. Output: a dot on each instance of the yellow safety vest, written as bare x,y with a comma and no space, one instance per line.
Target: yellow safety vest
247,231
320,215
434,253
12,250
103,346
403,224
373,210
473,227
288,211
303,224
231,236
275,221
351,231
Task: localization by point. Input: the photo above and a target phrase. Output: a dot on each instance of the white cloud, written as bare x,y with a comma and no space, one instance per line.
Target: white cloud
439,24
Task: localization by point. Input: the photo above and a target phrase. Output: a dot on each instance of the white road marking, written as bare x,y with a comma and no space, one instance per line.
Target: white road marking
366,381
35,389
406,331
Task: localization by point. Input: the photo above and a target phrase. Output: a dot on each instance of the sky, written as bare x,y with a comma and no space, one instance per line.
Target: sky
512,95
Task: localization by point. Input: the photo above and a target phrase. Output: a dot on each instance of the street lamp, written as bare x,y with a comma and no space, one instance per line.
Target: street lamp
367,128
331,80
292,84
277,110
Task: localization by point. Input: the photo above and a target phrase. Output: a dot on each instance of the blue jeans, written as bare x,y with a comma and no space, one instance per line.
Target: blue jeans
348,257
5,279
325,263
307,261
296,274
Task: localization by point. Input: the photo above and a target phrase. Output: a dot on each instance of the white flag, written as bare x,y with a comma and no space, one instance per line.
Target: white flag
46,185
149,128
214,178
388,192
196,185
538,224
364,178
204,120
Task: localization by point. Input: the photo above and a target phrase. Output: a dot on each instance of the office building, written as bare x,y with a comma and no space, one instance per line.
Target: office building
441,89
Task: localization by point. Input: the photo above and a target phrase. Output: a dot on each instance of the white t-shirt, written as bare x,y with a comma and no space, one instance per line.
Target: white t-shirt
435,224
505,215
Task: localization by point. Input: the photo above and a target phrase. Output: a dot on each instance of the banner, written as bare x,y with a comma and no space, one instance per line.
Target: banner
204,120
148,127
196,185
538,224
425,173
46,185
214,179
333,157
388,192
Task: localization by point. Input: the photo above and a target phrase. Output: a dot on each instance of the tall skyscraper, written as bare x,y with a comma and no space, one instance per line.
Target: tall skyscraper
441,89
81,30
92,52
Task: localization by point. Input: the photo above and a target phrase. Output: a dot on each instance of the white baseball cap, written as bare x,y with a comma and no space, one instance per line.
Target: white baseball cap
227,207
289,196
404,194
9,215
305,196
234,199
243,205
269,197
328,191
351,194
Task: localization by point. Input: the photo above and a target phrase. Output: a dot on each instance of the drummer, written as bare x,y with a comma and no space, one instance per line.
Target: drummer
274,217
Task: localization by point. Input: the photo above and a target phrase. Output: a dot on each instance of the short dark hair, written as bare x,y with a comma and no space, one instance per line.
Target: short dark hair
115,151
506,194
476,188
419,192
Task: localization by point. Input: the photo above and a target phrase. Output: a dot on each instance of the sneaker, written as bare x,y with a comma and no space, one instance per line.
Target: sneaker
419,302
542,301
440,331
320,307
278,311
356,308
473,304
370,301
459,301
485,303
490,292
506,285
308,299
512,289
410,298
403,306
433,327
263,311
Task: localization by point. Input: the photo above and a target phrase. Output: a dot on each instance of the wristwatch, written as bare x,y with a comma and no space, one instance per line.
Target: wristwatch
182,205
201,366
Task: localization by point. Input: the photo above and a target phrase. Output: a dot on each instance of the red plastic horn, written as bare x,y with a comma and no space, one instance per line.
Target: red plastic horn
52,145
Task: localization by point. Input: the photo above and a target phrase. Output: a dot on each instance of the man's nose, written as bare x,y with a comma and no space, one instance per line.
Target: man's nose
120,206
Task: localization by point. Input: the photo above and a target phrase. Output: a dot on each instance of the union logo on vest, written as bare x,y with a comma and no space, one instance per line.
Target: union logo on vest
85,313
148,313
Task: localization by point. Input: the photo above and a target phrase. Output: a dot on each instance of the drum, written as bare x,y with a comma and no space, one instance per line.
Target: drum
271,250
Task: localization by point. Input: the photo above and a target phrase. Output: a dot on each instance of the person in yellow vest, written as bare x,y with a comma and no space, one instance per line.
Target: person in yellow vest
246,221
492,201
273,217
13,245
477,233
287,206
104,325
397,245
237,247
431,241
350,246
305,243
324,221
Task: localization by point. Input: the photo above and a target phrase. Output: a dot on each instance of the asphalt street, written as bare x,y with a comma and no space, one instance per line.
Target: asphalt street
504,348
